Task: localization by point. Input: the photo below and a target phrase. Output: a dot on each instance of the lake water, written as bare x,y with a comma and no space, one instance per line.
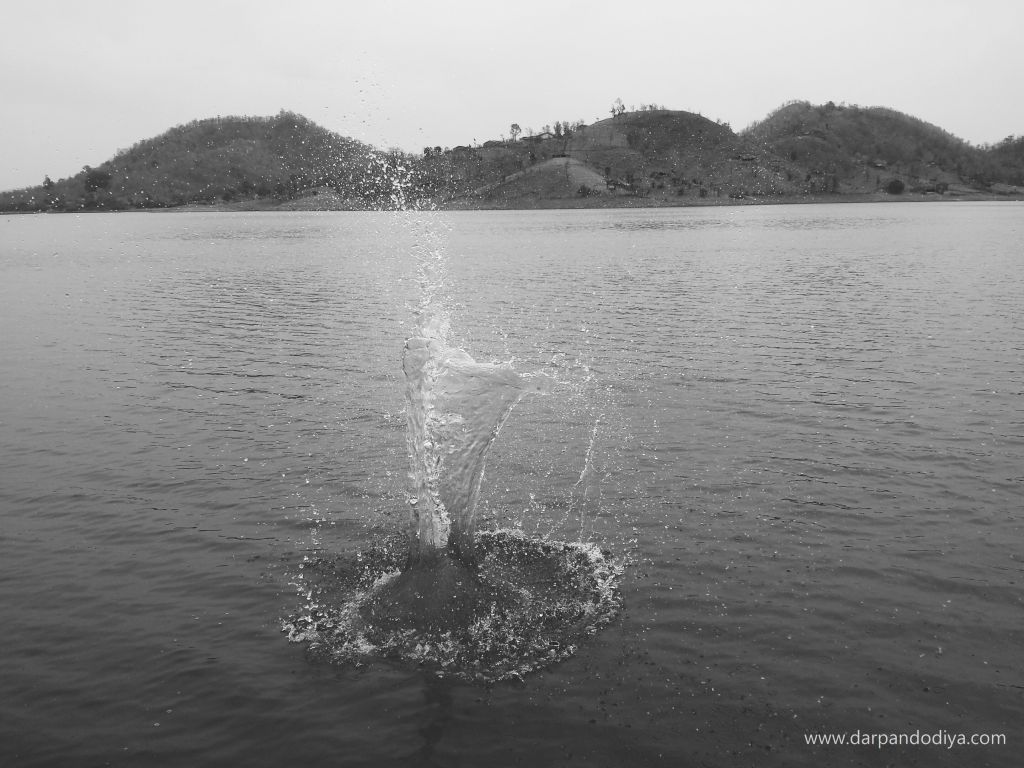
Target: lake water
805,427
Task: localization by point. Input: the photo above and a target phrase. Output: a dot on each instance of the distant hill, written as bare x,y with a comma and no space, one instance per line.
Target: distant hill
800,151
660,155
649,157
861,149
220,160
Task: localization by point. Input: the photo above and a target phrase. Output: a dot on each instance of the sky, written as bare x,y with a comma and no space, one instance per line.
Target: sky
79,81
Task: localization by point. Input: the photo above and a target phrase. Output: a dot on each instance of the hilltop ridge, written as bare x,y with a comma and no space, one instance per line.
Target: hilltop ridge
653,156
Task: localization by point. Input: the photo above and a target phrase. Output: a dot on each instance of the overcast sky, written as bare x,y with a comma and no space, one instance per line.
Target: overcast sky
79,80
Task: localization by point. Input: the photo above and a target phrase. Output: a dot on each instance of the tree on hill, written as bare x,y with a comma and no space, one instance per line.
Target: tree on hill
95,179
1007,160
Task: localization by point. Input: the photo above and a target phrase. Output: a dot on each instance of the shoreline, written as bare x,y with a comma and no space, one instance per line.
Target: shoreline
314,204
648,202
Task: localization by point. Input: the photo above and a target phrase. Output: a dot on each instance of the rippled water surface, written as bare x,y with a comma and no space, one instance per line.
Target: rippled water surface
803,425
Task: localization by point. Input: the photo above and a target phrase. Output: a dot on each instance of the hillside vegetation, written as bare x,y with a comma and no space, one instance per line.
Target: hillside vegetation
860,149
662,156
653,156
798,152
221,160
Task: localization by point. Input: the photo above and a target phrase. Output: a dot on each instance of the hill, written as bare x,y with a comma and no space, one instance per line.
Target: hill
662,156
221,160
652,156
665,157
866,149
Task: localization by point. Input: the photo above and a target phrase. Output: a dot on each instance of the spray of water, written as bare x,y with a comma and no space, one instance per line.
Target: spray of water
480,605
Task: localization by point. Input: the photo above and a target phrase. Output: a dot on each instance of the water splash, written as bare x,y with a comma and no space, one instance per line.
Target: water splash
553,596
455,409
484,606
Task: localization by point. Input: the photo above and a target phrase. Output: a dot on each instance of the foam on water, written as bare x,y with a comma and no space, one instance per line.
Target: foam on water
554,595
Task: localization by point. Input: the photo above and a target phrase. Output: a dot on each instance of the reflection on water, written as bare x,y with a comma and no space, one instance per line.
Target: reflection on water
438,696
